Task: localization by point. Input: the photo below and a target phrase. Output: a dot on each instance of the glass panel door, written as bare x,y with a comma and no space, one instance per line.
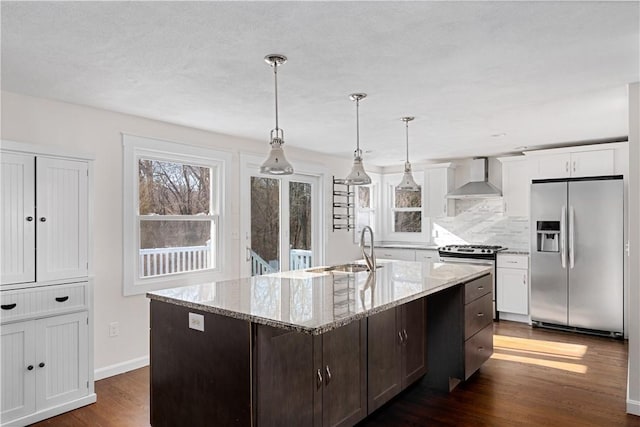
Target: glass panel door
264,253
300,230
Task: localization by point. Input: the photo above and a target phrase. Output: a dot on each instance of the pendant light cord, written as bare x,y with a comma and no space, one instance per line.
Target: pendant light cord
407,134
275,78
357,127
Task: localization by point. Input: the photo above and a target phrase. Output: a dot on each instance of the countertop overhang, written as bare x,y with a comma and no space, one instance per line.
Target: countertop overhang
315,303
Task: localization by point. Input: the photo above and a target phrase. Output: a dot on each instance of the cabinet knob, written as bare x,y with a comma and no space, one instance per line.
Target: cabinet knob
41,364
30,368
29,218
43,219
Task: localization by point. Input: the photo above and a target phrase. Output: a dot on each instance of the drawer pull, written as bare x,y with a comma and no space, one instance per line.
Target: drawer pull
480,288
480,348
62,299
8,306
480,314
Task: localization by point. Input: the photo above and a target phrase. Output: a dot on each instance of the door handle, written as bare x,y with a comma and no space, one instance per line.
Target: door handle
574,165
400,336
319,378
572,226
566,166
563,242
248,254
328,373
406,336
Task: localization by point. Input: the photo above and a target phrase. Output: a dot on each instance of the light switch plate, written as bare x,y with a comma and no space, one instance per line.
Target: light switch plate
196,321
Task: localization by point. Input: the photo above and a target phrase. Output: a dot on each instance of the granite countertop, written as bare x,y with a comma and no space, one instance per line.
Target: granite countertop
315,303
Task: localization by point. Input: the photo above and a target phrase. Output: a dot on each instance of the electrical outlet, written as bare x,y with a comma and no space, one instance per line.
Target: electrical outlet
114,329
196,321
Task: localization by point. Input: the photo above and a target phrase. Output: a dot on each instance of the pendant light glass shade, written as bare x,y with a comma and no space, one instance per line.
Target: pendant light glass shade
276,163
407,183
357,176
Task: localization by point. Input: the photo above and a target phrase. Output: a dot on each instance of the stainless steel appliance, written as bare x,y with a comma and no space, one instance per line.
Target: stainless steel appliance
577,254
475,254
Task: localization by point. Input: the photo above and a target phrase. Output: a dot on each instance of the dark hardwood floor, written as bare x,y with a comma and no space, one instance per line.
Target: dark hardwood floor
535,378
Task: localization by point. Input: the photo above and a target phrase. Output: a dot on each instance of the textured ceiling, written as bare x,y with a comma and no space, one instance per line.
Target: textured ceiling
538,72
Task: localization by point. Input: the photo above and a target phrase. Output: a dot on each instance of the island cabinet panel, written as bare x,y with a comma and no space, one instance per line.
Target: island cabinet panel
397,351
344,358
199,378
284,384
305,380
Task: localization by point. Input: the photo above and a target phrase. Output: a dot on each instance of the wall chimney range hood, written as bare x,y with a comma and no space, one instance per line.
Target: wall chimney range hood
478,187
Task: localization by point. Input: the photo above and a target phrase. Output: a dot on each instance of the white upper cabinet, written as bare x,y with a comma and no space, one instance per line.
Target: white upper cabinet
44,206
574,164
516,184
439,180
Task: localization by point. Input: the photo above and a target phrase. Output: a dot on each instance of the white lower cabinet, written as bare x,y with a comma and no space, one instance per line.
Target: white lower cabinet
395,253
512,284
44,365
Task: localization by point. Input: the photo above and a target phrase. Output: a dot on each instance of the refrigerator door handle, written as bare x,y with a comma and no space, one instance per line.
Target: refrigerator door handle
572,249
563,239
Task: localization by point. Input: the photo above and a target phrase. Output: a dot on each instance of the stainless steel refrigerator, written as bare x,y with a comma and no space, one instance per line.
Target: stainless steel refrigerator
577,246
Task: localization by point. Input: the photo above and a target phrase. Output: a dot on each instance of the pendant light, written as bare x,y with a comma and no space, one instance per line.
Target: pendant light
276,163
407,183
357,176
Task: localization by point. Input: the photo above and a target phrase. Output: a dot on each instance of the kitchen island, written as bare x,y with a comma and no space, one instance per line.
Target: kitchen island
314,347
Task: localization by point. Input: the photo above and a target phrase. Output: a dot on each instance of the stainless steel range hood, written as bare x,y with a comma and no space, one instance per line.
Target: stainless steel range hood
479,186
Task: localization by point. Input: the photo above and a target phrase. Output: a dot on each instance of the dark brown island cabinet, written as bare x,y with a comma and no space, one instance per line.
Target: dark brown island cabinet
242,373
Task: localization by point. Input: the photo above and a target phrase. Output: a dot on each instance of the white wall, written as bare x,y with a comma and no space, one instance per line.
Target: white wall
633,385
95,131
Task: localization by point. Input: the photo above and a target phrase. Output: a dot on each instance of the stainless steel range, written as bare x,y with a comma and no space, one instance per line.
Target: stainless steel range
473,254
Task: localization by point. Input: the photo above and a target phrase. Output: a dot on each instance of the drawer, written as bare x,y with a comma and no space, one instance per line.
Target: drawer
427,255
477,288
393,253
41,301
512,261
477,350
477,315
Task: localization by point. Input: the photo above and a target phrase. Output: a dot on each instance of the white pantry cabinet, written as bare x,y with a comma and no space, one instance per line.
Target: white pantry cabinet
45,286
439,180
44,206
516,185
512,284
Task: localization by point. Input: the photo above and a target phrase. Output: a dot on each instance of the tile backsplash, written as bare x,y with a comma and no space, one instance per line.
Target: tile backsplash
481,221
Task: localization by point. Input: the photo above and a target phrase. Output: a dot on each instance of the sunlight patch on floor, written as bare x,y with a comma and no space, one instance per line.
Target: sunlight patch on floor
539,352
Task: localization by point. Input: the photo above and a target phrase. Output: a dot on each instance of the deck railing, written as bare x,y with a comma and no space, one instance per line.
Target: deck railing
159,261
298,259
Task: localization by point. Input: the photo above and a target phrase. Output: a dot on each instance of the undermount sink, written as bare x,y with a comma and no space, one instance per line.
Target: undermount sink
346,268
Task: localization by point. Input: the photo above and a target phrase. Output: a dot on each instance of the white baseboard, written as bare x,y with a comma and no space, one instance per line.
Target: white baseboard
120,368
633,407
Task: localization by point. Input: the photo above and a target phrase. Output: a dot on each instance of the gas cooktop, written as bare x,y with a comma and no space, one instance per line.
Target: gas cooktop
470,249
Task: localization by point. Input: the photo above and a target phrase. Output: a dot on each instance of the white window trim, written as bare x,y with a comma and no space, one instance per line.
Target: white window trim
249,162
135,147
389,182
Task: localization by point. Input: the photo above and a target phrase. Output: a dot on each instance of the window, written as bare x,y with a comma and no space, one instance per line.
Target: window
365,208
173,212
407,211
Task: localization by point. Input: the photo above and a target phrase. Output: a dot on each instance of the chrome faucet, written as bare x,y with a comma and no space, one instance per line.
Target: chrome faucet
370,258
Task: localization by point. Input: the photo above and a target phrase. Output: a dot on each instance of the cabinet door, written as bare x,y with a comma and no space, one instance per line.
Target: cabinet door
414,329
516,184
438,184
344,355
592,163
512,289
62,218
61,359
18,381
554,166
384,352
17,197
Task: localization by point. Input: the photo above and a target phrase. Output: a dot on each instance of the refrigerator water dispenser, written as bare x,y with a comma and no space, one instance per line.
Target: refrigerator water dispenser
548,236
